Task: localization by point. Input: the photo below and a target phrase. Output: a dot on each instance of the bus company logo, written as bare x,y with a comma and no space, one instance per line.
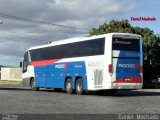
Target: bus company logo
127,65
121,42
63,66
94,64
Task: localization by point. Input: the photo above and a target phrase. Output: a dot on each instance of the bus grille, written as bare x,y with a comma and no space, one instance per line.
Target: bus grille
98,77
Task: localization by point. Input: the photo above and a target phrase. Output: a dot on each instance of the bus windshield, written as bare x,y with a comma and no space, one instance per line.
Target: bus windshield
126,44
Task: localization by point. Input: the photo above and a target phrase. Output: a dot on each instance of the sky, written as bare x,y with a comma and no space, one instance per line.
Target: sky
17,36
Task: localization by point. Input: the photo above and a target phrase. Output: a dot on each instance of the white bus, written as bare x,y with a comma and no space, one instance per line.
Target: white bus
104,62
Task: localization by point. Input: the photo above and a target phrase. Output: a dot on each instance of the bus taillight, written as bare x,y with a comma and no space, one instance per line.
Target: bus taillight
141,69
110,68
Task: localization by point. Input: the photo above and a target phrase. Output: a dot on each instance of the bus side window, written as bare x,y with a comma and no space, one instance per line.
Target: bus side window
25,62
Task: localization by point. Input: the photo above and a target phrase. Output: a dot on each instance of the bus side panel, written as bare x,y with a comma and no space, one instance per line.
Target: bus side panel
107,61
97,68
53,75
95,72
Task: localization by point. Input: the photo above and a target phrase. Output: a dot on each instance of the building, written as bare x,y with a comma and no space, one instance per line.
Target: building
14,74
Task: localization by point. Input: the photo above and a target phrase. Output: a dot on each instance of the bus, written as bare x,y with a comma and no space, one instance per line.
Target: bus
110,61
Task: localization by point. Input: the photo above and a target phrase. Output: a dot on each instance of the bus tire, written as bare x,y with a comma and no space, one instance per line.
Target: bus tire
79,86
32,85
68,86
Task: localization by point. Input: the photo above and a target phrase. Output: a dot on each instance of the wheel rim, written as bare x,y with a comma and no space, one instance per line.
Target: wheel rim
79,87
68,87
33,84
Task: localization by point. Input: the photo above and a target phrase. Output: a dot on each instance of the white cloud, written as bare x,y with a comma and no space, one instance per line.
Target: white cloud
78,13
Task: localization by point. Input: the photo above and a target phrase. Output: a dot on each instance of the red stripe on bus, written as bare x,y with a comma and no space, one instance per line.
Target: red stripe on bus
129,80
43,62
141,69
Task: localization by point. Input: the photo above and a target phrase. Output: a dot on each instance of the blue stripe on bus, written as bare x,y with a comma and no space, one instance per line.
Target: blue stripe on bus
53,75
126,72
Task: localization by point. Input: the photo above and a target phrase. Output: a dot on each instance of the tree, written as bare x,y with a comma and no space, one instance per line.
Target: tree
151,44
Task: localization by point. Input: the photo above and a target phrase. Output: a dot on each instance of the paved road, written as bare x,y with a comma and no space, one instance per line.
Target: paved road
24,101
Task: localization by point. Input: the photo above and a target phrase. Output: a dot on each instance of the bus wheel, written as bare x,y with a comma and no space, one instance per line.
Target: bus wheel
32,85
68,86
79,86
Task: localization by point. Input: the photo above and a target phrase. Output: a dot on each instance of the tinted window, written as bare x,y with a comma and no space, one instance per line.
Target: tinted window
25,62
125,44
77,49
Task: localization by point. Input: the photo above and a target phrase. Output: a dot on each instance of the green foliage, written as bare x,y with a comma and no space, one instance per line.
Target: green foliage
113,26
151,44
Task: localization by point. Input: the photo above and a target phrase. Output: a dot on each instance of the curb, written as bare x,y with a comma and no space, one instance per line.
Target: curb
149,90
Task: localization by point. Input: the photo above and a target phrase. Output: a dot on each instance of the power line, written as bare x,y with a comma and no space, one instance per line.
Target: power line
38,22
32,40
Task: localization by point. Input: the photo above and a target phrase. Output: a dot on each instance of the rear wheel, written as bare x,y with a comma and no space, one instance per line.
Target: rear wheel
79,86
32,85
68,86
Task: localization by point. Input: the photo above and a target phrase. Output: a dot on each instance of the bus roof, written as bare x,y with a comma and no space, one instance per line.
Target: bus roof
77,39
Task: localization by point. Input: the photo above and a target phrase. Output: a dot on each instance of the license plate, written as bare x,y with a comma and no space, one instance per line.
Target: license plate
127,79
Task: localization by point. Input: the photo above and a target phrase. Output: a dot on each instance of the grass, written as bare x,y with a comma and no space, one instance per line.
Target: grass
10,82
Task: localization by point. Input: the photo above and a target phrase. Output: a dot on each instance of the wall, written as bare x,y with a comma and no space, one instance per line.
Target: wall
11,74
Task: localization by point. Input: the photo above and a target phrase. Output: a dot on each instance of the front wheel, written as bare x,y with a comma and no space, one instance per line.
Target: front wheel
32,85
79,86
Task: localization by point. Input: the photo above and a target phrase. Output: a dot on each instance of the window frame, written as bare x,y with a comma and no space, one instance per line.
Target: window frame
25,62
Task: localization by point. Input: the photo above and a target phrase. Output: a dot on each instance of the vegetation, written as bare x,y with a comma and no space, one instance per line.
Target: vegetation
151,44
